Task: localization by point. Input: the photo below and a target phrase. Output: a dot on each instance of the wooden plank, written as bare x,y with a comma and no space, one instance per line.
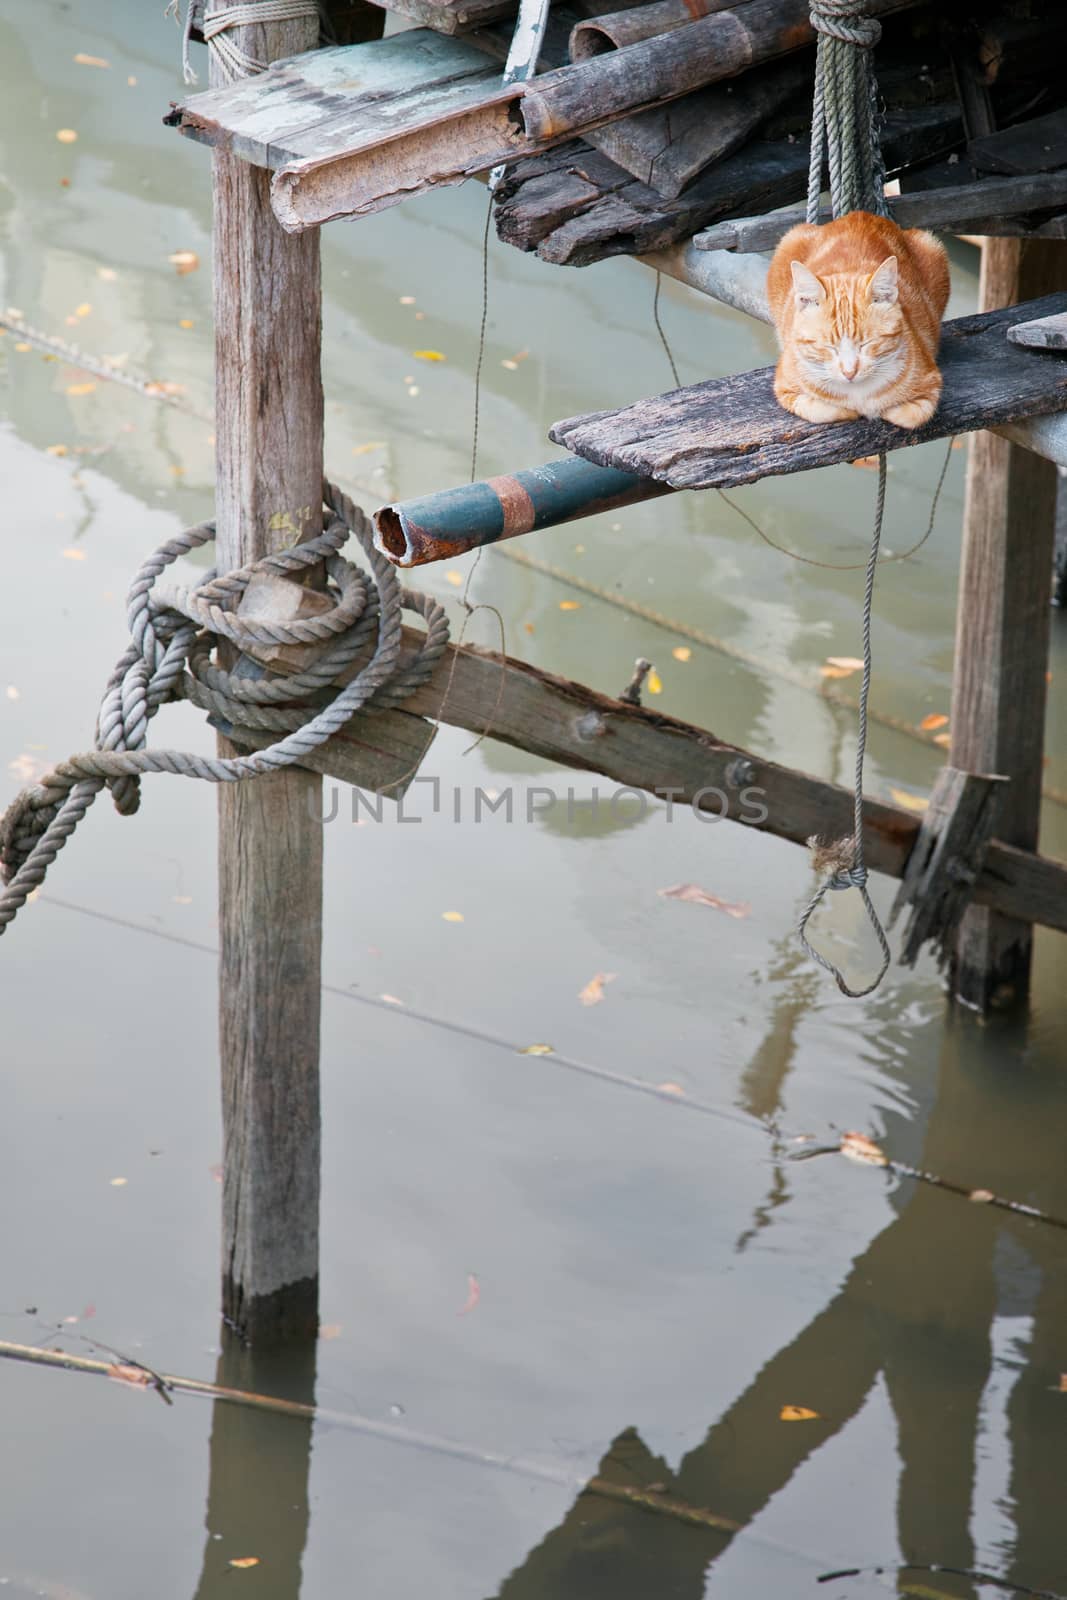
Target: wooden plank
946,861
380,751
1039,145
1002,634
454,16
730,431
575,726
1047,333
574,206
961,206
268,476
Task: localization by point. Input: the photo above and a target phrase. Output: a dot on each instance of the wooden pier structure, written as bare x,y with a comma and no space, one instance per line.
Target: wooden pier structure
677,134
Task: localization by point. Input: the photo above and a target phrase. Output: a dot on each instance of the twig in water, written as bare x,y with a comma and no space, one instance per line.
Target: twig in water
935,1566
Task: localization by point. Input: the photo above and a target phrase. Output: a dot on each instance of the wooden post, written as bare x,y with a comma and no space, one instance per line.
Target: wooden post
268,389
1002,636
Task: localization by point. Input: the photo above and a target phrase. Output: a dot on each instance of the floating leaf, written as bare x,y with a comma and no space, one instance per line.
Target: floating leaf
186,322
671,1088
90,61
512,366
330,1330
593,992
56,450
365,449
451,916
108,274
654,682
570,605
122,1372
429,355
700,897
933,719
528,627
454,578
22,347
161,386
413,390
797,1414
184,261
864,461
681,652
858,1147
131,82
474,1294
910,802
74,554
847,663
76,389
981,1197
119,1183
66,135
537,1050
835,672
11,692
244,1561
407,299
390,999
943,739
1063,1382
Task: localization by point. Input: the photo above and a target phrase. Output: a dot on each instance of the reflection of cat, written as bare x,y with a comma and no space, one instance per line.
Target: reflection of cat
858,305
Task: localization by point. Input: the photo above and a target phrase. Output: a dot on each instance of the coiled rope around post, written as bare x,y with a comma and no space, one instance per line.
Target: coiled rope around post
844,126
169,657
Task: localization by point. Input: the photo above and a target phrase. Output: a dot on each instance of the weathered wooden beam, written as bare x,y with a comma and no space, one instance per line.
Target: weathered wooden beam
453,16
613,30
1002,635
960,207
574,206
380,751
730,431
575,726
268,491
1039,145
946,861
1047,333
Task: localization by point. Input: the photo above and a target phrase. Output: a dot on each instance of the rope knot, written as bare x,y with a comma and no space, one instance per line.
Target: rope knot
846,20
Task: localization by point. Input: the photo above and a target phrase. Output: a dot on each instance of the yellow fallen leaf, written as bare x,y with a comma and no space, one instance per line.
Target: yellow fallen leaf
162,386
910,802
943,739
56,450
407,299
835,672
528,627
119,1183
11,692
22,347
330,1330
671,1088
83,310
593,992
570,605
864,461
390,999
122,1373
454,578
429,355
681,652
537,1050
512,366
857,1147
186,322
451,916
108,274
74,554
90,61
184,261
981,1197
797,1414
933,719
654,682
849,663
365,449
66,135
413,390
131,82
80,388
692,893
244,1561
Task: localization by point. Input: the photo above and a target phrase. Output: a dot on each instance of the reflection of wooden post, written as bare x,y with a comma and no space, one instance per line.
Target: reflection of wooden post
1002,633
257,1500
268,494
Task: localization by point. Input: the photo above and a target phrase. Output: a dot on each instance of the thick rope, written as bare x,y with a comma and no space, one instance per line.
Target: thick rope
169,657
232,61
844,124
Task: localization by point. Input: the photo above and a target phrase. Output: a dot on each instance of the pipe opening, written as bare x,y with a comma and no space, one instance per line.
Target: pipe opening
587,42
390,537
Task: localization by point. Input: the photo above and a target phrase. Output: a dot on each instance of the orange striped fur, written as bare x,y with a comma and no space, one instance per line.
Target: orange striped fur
858,305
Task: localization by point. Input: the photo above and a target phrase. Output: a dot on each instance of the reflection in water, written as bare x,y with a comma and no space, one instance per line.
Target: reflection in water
257,1503
917,1309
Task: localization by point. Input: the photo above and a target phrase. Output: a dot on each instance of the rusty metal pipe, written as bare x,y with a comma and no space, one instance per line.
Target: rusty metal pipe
439,526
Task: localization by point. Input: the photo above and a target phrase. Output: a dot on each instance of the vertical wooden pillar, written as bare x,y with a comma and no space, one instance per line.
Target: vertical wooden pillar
268,492
1002,635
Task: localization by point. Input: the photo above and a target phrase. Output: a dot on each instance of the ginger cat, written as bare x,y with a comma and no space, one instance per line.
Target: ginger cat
858,305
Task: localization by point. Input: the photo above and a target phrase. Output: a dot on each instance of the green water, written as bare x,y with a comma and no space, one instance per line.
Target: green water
655,1281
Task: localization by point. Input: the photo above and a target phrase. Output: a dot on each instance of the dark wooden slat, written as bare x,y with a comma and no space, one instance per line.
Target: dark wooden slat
730,431
454,16
1039,145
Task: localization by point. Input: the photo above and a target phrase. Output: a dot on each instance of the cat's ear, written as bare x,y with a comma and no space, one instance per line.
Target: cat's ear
882,288
806,286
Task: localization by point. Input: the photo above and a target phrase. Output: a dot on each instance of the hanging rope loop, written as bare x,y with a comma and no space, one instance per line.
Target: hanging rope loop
846,20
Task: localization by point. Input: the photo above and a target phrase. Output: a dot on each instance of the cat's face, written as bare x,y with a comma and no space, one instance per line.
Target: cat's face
848,328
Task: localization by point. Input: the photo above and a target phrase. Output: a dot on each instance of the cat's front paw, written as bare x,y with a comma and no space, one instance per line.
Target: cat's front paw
910,413
813,409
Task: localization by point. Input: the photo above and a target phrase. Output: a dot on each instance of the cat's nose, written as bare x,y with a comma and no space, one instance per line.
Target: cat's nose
849,368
